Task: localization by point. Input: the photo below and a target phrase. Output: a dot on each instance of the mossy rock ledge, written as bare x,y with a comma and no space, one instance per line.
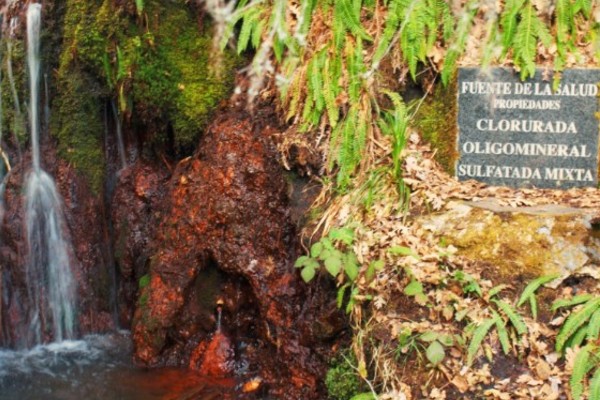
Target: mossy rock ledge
521,242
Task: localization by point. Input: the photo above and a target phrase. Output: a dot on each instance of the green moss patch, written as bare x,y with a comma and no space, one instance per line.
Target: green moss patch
436,121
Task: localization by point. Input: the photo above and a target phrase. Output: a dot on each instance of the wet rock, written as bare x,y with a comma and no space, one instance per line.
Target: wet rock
139,193
227,208
521,241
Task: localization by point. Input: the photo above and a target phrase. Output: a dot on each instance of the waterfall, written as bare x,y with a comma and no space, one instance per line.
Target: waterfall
120,144
50,283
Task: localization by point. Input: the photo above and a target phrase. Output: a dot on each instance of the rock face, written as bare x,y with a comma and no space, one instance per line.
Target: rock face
225,233
523,241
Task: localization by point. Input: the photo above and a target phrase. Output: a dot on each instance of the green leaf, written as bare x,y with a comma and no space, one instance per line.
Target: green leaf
344,235
533,286
340,295
512,315
533,306
372,268
333,265
435,352
301,261
497,289
446,340
351,270
580,369
364,396
574,322
480,332
502,334
413,288
139,5
308,273
402,251
594,326
429,336
595,385
582,298
316,249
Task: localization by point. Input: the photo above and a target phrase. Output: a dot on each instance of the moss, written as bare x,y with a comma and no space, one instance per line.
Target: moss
157,67
436,120
144,281
176,78
341,380
14,121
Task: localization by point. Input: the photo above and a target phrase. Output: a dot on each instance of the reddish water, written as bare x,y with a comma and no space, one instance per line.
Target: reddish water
99,368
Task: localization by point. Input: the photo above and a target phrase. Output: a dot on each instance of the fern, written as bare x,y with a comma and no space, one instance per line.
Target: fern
581,367
595,386
508,22
529,31
594,326
351,18
480,333
512,315
459,41
139,6
529,293
574,322
502,333
579,299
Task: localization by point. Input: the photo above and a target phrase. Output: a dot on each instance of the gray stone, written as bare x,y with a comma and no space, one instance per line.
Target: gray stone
523,134
528,241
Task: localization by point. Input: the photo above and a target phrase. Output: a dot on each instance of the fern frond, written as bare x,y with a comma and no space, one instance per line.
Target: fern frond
508,22
579,299
595,385
459,41
594,326
529,292
512,315
574,322
478,335
351,19
502,333
580,370
529,30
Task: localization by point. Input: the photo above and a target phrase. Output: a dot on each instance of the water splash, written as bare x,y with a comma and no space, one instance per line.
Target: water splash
50,283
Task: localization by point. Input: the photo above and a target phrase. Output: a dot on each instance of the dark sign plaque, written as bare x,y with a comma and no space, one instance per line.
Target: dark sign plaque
525,134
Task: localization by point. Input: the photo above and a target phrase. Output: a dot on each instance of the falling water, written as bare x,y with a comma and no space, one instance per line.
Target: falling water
219,314
51,287
120,144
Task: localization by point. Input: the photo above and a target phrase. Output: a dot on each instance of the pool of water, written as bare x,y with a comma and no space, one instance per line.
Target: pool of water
99,367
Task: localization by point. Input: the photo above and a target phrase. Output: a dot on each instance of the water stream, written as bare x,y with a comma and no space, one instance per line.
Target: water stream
50,283
98,367
119,129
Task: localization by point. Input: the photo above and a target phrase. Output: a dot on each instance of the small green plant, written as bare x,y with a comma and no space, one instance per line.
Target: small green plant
144,281
583,322
325,253
509,325
432,343
586,364
529,293
342,380
469,283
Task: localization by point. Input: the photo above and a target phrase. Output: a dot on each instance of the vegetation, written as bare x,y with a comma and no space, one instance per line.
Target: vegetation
336,65
151,60
336,59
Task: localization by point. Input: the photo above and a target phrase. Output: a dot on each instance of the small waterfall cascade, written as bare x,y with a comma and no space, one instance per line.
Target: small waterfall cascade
51,285
119,129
